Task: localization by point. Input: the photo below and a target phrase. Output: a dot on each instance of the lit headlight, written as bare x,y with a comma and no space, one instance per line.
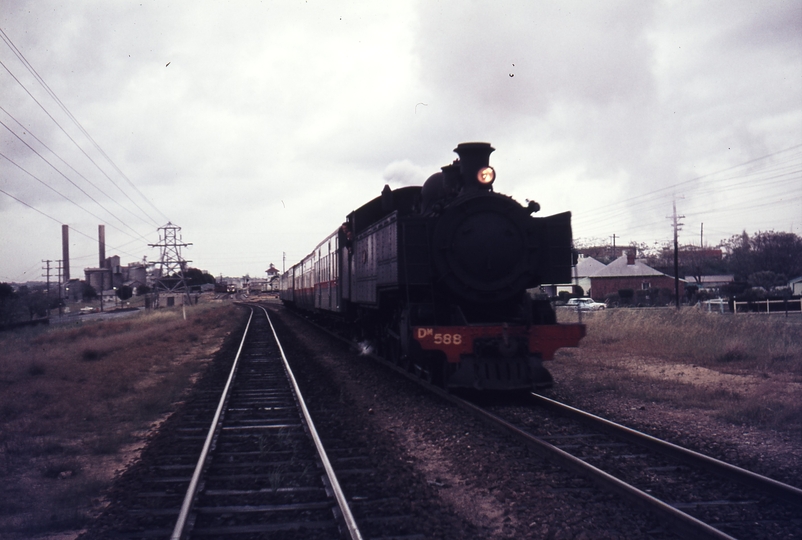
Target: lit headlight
486,175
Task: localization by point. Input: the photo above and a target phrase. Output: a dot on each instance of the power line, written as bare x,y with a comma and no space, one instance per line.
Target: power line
67,178
56,220
58,101
29,132
733,189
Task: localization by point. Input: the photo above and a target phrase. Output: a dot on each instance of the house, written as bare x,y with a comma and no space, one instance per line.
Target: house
626,272
585,268
796,286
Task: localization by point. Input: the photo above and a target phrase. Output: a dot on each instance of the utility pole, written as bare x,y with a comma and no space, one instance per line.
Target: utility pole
614,253
702,236
59,267
677,226
47,275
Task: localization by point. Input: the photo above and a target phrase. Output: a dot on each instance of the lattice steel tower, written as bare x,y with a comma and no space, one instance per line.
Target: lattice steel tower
171,266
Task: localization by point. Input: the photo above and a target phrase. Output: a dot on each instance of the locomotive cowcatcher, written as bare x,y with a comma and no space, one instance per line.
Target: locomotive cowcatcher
435,279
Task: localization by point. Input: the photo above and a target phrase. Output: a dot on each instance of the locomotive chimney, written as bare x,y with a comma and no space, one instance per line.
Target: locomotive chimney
472,157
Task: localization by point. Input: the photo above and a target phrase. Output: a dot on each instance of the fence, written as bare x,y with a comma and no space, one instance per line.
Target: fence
770,306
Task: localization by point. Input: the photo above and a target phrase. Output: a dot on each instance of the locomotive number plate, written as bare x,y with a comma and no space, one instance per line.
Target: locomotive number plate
452,340
439,338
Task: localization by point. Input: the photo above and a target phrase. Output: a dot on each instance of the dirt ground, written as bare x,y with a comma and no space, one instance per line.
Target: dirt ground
652,394
645,392
78,403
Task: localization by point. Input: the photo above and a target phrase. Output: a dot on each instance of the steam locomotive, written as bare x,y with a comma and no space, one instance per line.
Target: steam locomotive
435,279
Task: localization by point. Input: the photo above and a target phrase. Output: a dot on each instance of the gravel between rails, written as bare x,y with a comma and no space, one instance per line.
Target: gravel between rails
463,479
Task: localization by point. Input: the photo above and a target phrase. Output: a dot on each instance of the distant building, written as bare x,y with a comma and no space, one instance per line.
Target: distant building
586,268
111,274
627,272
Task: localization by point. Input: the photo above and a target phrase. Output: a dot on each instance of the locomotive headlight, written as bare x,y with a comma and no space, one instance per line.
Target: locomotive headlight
486,175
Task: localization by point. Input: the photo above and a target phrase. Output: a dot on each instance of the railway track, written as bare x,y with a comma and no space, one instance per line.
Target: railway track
242,459
692,495
258,471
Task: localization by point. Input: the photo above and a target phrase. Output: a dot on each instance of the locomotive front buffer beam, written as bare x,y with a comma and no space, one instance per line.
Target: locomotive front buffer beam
495,357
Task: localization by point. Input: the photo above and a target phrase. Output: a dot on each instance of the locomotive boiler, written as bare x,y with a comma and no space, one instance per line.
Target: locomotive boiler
436,279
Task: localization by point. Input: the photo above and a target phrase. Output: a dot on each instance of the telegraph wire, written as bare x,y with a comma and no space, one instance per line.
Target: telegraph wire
67,164
68,199
81,149
744,187
59,222
65,177
666,191
22,276
64,108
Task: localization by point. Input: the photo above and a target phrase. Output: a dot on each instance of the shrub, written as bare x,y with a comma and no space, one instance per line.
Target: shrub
90,355
34,370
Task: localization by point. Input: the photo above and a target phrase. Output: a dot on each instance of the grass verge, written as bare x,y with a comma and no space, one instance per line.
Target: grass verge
73,399
744,369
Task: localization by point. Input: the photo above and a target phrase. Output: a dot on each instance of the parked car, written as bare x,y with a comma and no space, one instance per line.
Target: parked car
585,304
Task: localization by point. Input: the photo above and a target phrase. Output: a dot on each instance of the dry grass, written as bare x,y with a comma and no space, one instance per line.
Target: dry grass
72,397
744,369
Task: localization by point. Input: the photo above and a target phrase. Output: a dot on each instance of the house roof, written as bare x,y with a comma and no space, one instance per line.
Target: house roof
620,268
588,266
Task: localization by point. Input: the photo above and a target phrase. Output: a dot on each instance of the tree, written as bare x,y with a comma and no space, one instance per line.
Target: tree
6,291
767,280
125,292
777,252
195,277
88,292
8,304
36,303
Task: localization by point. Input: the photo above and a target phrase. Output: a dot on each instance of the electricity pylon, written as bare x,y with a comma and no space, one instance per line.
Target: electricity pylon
171,266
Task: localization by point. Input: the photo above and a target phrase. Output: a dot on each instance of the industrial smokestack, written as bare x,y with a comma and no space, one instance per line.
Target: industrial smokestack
101,241
65,252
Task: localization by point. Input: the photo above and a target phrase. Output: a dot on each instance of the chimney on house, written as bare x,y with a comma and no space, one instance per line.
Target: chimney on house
631,256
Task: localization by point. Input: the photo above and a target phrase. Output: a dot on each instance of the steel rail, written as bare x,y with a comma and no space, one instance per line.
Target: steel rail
186,507
676,520
773,487
348,517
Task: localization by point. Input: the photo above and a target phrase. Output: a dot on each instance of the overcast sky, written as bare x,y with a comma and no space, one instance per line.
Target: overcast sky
257,126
